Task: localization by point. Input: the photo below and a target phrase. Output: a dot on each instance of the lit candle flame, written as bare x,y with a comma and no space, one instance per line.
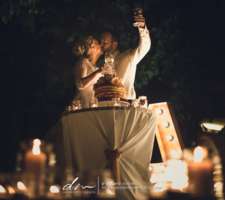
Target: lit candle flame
21,186
2,189
54,189
36,147
199,154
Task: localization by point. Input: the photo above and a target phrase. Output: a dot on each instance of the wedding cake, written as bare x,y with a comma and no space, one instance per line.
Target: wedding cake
109,87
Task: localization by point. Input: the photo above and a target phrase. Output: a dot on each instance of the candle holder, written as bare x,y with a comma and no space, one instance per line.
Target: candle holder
94,103
116,102
200,171
143,102
74,105
215,146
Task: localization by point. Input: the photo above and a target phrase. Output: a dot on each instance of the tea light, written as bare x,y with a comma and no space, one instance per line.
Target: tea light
54,189
11,190
116,101
2,189
75,107
54,192
94,105
21,186
3,192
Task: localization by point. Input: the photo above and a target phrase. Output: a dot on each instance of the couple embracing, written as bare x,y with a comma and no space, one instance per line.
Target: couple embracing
125,63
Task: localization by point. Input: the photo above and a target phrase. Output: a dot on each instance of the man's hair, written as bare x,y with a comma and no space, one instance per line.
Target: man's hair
112,33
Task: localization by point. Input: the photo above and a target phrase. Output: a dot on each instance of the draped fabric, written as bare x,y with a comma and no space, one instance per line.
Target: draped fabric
86,135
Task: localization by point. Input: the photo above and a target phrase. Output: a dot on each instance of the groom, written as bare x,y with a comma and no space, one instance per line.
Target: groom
126,62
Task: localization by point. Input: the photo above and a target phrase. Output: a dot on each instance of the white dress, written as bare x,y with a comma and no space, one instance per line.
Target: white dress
84,68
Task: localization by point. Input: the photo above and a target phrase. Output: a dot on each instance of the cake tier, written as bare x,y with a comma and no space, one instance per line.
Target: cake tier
108,87
108,92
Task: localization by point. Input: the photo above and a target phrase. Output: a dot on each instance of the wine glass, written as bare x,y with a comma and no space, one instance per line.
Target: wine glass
109,64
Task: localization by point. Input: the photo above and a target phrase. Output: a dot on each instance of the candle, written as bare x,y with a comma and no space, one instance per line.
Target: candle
54,192
35,159
21,187
11,190
200,173
35,163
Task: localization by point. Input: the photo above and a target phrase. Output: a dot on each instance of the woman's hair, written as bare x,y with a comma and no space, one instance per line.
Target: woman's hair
80,47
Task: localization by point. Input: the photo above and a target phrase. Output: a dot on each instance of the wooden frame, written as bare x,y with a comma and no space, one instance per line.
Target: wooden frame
167,132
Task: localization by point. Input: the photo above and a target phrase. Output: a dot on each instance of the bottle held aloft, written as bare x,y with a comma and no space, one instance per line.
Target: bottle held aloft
138,17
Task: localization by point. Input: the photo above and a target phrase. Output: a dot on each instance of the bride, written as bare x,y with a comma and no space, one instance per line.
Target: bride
86,72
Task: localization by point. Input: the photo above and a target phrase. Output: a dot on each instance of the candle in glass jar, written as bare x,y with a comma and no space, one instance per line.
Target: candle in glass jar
35,164
200,173
35,159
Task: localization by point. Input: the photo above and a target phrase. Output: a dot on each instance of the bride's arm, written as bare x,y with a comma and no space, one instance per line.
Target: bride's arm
90,79
83,80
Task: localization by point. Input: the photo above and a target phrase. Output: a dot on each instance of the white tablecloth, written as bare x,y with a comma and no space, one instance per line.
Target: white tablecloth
87,134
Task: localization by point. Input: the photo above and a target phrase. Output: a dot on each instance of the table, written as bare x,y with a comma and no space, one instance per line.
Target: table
84,137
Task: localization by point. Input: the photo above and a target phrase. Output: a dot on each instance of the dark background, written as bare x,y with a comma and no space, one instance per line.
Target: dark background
184,67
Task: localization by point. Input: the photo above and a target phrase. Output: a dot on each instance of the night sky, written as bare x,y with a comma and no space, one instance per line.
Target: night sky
37,62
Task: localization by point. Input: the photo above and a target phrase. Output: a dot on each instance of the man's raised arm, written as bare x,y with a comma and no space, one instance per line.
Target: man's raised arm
143,45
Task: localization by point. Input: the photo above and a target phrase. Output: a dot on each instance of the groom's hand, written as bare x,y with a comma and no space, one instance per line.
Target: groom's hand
138,18
139,24
107,69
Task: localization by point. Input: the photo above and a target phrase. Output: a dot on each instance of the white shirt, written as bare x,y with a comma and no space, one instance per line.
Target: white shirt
126,62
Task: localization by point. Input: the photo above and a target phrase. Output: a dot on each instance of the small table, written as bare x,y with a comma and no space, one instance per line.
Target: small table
85,135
